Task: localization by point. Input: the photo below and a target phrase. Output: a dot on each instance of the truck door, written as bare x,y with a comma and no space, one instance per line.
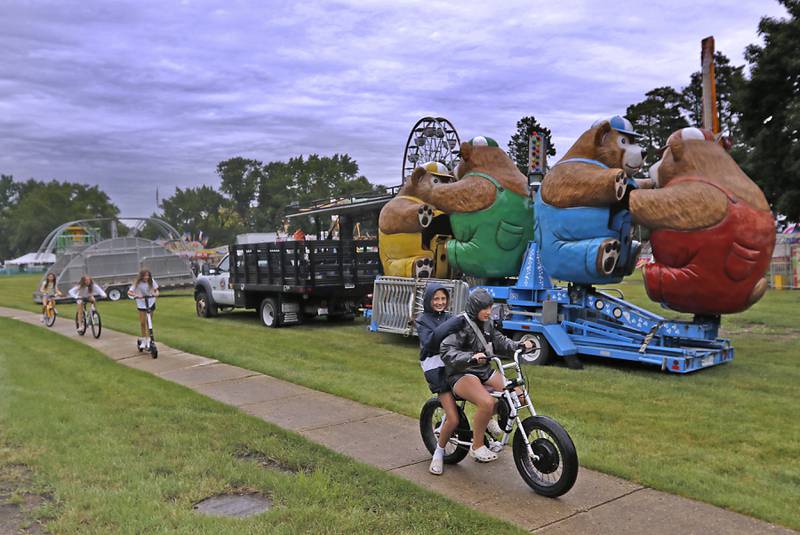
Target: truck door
221,290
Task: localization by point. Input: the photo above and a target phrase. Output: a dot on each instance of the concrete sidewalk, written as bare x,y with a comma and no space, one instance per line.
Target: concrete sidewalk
597,504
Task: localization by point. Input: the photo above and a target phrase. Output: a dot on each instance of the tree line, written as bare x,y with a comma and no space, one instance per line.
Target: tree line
252,196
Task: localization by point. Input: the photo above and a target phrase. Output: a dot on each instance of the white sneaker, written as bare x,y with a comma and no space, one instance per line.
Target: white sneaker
494,428
41,320
140,343
437,466
482,454
495,446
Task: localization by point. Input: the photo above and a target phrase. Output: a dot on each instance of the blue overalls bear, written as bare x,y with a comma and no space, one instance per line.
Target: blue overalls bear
571,239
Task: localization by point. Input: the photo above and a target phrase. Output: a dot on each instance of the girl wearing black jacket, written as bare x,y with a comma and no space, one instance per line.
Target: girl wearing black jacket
467,355
432,326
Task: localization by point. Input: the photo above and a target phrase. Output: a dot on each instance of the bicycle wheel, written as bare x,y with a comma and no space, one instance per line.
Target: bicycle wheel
80,326
556,470
50,316
430,420
97,326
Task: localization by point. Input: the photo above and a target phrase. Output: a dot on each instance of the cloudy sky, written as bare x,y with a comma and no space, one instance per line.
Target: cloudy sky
135,95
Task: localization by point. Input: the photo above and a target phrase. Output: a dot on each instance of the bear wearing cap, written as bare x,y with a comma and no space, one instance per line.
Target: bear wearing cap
583,229
712,231
407,224
490,212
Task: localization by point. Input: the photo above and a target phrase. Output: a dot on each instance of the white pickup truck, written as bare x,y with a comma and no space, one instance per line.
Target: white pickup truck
212,290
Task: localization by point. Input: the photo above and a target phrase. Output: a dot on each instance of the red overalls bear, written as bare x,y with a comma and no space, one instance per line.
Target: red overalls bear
712,232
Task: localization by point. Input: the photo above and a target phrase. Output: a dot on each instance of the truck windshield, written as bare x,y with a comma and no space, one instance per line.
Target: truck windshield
224,265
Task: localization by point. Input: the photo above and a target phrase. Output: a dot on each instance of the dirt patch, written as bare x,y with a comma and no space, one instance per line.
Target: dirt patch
17,503
270,463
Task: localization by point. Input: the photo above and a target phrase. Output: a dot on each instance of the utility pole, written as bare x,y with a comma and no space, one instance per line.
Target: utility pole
710,115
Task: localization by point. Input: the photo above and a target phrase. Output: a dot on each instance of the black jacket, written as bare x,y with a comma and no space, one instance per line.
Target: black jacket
431,325
458,348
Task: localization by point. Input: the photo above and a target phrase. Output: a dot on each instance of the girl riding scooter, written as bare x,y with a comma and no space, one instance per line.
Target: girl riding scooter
144,286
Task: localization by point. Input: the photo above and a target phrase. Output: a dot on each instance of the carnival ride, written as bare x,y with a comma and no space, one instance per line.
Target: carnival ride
432,139
563,321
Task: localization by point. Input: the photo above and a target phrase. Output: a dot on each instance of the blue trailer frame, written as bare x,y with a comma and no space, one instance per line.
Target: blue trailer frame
581,320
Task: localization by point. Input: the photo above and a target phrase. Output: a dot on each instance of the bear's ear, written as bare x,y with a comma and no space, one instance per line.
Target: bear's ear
602,131
677,148
417,175
466,151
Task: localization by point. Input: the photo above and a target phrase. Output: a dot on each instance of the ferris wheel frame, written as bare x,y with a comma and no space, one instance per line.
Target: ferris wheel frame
431,139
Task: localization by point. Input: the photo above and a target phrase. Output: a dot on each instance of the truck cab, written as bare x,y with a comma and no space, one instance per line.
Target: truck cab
212,290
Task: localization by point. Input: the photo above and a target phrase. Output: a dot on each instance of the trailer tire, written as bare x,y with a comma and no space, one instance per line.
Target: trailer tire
203,305
541,353
269,312
114,293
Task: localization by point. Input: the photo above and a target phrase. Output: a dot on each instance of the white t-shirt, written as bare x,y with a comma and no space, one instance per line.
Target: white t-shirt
79,292
143,289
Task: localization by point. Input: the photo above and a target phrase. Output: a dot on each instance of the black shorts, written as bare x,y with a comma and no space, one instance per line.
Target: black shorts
152,309
483,375
437,380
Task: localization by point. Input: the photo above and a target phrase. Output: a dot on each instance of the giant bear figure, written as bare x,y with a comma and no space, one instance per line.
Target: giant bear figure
404,247
583,229
491,216
712,229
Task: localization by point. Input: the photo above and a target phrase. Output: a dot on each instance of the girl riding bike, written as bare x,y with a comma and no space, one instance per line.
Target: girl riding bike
49,290
85,290
467,355
433,325
144,287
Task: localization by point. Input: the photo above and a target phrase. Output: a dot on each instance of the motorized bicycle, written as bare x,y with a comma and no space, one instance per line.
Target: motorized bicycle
543,451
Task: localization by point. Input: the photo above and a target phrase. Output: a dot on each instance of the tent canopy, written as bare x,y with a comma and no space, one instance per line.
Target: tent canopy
33,258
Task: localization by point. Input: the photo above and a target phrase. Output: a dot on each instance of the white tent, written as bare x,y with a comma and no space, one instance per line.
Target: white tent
33,258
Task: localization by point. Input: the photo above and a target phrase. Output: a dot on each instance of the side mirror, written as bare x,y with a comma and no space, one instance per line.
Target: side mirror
213,271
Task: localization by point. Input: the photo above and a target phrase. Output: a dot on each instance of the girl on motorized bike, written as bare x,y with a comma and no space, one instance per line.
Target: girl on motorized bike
433,326
144,286
85,290
49,290
467,356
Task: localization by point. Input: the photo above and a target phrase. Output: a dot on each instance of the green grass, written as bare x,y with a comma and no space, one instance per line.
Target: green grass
121,451
726,435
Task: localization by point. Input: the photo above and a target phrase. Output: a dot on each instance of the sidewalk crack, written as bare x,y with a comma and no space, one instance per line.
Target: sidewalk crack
586,510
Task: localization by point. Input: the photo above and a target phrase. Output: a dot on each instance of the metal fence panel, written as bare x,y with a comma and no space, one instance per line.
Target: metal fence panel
397,301
784,270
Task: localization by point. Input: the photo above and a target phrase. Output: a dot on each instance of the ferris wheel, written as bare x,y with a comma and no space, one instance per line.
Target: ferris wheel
433,139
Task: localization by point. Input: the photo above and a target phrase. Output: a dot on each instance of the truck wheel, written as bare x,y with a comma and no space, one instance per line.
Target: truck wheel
114,294
202,305
541,353
269,312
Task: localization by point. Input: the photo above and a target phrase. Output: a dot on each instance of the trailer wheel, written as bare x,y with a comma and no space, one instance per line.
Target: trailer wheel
114,294
269,312
541,353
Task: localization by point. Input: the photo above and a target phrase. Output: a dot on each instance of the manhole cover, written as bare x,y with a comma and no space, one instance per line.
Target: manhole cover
234,505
